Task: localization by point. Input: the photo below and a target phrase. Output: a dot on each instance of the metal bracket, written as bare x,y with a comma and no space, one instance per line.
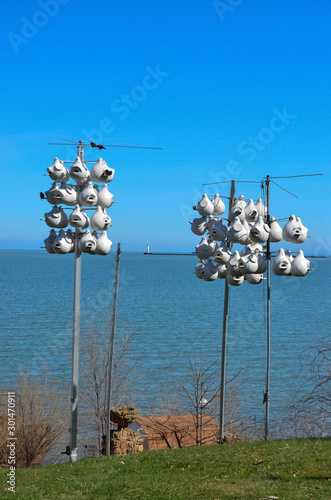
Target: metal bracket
67,452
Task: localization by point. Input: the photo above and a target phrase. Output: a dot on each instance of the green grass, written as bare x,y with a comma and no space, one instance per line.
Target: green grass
286,469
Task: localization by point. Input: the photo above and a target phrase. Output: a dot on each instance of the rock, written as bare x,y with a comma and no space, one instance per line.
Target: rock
123,416
125,442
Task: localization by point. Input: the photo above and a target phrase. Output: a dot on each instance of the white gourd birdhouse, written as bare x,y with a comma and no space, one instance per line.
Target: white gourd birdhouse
205,248
68,194
79,172
281,265
251,211
218,230
53,195
88,195
88,242
78,218
58,172
241,200
222,270
262,211
233,265
205,207
100,221
63,242
294,231
248,262
290,229
219,207
238,231
304,231
247,250
199,226
95,235
254,279
289,255
234,280
105,197
276,232
260,231
222,253
211,221
251,247
213,244
209,272
215,249
198,268
56,218
100,172
103,244
71,237
49,241
300,265
238,209
262,263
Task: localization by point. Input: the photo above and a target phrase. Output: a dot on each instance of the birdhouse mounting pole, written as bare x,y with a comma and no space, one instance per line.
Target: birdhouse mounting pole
75,335
225,331
111,350
266,398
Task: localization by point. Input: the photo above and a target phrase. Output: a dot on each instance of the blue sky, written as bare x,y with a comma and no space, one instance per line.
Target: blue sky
230,89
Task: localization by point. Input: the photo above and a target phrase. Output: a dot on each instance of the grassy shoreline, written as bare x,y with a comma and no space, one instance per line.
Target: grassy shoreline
292,469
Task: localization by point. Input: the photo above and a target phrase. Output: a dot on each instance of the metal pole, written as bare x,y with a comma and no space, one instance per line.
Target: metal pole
111,350
267,392
75,336
225,332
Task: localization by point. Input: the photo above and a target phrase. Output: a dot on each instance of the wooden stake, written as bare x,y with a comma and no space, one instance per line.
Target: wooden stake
111,351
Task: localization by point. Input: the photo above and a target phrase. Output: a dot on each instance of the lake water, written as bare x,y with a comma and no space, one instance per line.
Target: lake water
174,317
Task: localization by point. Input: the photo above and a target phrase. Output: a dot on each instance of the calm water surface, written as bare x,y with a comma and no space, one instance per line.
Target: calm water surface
173,316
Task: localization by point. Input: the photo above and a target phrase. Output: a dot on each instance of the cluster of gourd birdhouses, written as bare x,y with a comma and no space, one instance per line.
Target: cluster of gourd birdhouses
246,225
82,196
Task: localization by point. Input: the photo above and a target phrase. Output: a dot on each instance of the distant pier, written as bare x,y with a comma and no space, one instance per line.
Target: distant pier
148,252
